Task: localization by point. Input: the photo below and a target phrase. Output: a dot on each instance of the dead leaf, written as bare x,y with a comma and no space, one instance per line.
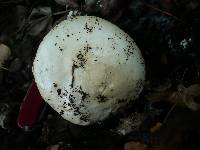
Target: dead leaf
73,3
194,89
12,20
90,2
187,96
182,126
192,97
39,22
40,11
135,146
61,2
40,25
54,147
159,96
156,127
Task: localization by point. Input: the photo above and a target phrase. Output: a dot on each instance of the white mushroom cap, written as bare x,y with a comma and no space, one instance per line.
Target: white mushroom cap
86,68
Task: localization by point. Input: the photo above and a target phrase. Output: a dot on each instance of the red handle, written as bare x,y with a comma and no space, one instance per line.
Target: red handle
31,108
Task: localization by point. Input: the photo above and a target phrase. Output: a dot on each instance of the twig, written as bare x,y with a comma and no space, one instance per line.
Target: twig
161,11
59,13
4,68
169,112
183,76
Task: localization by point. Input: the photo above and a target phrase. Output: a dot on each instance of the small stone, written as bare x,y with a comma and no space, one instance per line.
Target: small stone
4,53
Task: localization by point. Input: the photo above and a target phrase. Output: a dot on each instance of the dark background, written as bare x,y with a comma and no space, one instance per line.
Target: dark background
168,34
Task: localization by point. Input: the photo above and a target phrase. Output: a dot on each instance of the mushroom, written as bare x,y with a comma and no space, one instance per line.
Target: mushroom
87,68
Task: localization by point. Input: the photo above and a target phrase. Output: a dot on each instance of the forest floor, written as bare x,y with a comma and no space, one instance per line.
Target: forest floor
165,116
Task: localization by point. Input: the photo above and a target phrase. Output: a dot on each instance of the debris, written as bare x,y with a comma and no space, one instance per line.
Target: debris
185,43
72,14
130,123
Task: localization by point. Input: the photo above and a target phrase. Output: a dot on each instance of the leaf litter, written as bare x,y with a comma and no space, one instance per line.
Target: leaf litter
166,116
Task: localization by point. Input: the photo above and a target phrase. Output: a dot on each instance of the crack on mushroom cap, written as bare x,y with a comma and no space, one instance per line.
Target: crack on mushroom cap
74,66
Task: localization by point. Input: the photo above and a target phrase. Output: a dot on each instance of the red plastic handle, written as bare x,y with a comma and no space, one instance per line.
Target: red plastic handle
31,108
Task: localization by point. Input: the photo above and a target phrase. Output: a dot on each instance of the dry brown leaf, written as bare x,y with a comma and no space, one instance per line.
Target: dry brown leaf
54,147
156,127
154,146
163,147
135,146
159,96
187,96
194,89
192,97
